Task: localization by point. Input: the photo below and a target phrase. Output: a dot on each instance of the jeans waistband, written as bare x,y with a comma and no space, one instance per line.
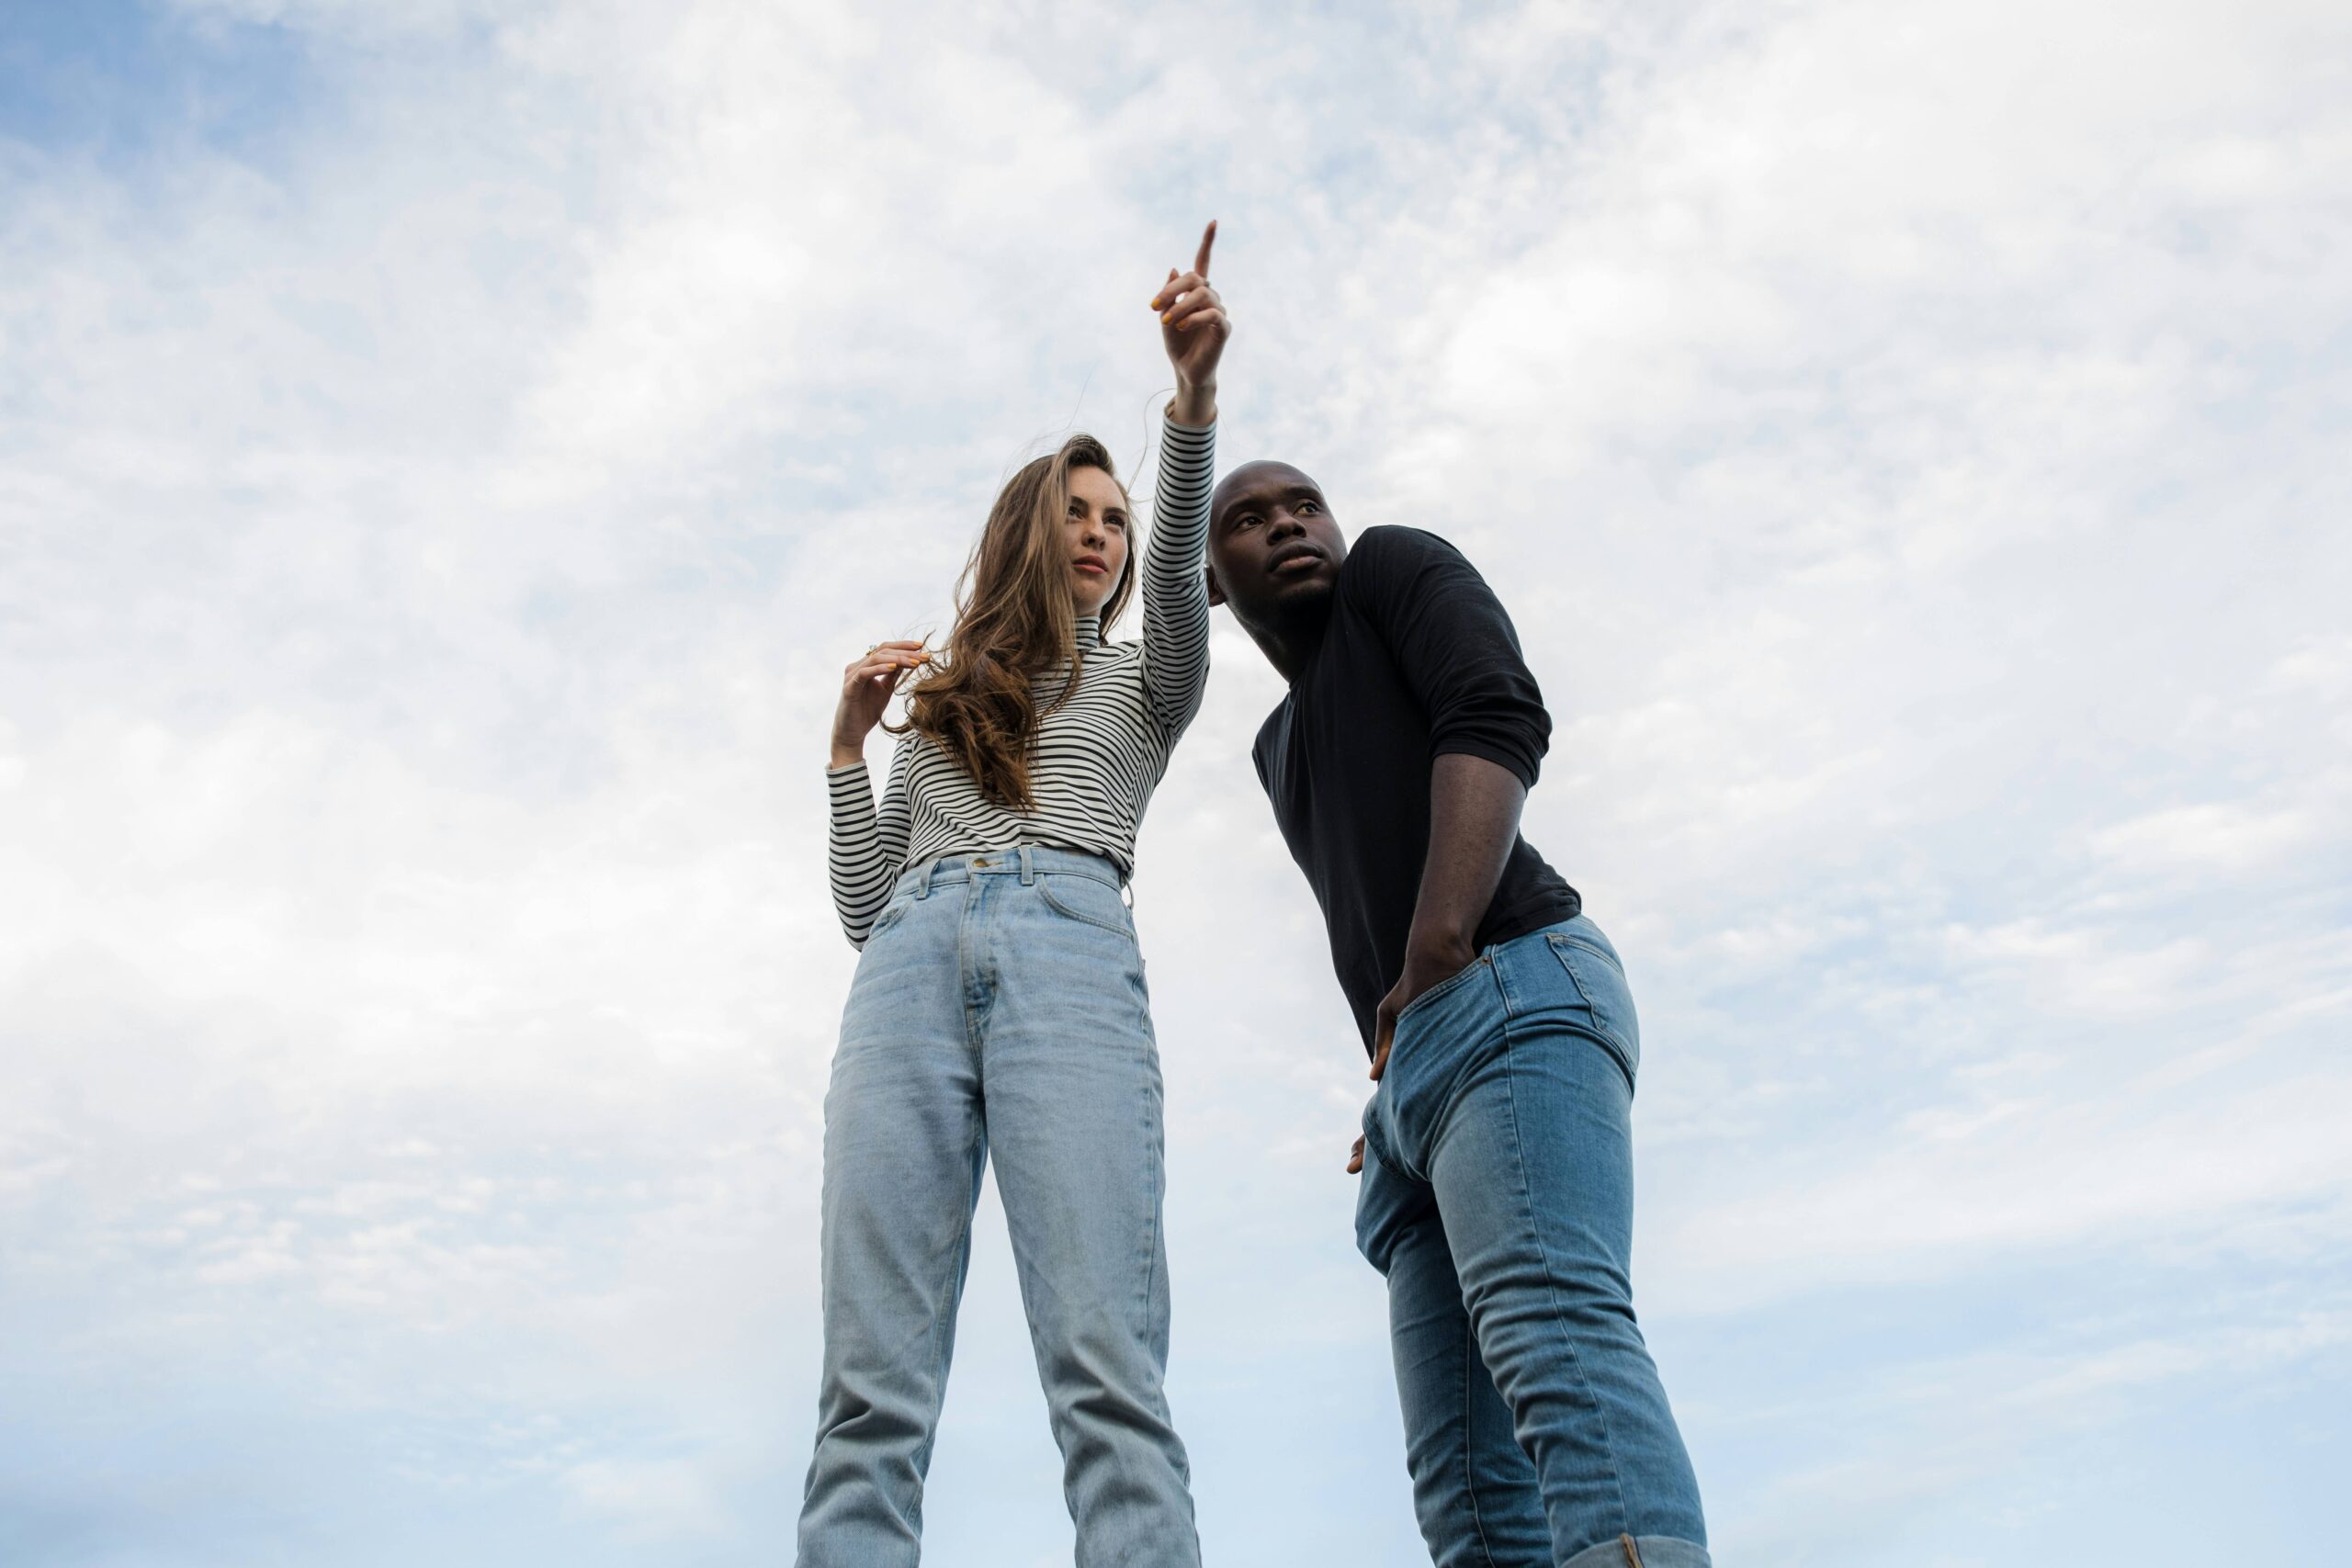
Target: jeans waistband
1028,862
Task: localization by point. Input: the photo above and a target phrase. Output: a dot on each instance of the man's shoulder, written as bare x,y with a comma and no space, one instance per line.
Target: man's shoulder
1394,548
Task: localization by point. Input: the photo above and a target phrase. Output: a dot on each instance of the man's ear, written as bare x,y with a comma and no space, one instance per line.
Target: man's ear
1216,593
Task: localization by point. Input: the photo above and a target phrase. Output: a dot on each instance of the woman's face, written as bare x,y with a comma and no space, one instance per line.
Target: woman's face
1095,537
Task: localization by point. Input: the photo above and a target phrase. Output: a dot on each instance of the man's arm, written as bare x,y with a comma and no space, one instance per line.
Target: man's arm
1488,730
1473,822
1456,647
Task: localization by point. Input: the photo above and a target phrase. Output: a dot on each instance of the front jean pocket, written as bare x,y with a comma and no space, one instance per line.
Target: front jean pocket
1440,989
1087,899
1602,986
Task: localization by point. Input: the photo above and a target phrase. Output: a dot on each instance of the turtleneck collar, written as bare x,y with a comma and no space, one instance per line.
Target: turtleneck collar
1088,630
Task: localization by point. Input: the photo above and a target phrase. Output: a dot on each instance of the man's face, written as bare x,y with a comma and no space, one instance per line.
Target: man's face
1273,547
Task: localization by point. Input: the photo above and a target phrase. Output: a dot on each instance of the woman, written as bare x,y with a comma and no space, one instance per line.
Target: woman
1000,1003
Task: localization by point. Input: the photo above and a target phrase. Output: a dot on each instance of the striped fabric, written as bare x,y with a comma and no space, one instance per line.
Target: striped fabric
1098,757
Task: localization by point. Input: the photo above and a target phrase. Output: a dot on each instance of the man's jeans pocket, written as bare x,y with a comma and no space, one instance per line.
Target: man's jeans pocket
1438,990
1608,1000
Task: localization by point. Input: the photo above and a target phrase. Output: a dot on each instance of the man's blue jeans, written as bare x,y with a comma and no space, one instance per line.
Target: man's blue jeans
999,1006
1498,1197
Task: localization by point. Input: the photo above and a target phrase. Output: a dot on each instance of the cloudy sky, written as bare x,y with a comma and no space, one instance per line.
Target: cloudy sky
448,448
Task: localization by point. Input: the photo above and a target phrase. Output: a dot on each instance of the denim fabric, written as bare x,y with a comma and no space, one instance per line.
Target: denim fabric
1498,1197
998,1008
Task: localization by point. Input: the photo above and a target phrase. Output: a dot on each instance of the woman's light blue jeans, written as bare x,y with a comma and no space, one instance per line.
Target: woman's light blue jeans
999,1006
1498,1197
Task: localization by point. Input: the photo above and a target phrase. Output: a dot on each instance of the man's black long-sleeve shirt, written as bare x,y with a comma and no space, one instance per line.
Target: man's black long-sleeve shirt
1420,661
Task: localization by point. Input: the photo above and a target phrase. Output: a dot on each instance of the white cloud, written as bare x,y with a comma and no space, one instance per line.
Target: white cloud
656,1500
2226,838
1907,439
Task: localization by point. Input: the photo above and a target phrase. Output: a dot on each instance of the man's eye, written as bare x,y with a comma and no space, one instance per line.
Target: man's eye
1305,506
1248,522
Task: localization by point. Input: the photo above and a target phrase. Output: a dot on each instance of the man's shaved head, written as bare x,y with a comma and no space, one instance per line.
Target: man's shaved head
1274,556
1250,479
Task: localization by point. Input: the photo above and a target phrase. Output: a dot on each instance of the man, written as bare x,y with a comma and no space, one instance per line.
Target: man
1497,1194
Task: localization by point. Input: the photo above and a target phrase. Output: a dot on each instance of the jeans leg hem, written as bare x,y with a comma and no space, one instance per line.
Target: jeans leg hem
1658,1552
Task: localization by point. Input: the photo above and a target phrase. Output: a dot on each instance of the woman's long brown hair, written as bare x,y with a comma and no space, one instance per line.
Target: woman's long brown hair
1013,624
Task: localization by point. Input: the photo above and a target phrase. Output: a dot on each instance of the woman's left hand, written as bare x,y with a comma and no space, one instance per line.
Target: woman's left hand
1193,328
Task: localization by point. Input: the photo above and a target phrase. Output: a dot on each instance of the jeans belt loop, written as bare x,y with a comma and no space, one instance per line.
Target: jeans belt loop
922,879
1028,868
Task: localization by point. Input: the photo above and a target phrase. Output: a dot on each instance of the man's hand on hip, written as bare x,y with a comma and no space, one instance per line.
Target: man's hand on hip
1426,966
1425,970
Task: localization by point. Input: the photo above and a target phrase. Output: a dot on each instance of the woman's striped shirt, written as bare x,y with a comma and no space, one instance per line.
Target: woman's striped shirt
1098,756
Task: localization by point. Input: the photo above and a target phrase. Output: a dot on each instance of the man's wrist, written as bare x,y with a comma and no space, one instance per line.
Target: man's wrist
1430,942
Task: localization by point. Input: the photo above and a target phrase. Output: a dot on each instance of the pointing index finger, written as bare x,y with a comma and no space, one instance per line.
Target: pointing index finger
1208,238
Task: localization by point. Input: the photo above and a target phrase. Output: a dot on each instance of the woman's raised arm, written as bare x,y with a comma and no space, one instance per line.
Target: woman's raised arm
1193,328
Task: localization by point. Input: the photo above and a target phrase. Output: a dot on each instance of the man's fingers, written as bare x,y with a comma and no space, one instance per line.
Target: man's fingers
1208,238
1356,1156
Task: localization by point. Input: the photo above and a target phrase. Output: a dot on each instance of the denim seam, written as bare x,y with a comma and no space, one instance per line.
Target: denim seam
974,905
943,1320
1557,940
1469,1473
1440,989
1544,1256
1067,912
1151,1230
1615,1047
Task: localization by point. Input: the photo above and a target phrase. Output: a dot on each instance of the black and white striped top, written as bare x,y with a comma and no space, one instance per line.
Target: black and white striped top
1098,757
